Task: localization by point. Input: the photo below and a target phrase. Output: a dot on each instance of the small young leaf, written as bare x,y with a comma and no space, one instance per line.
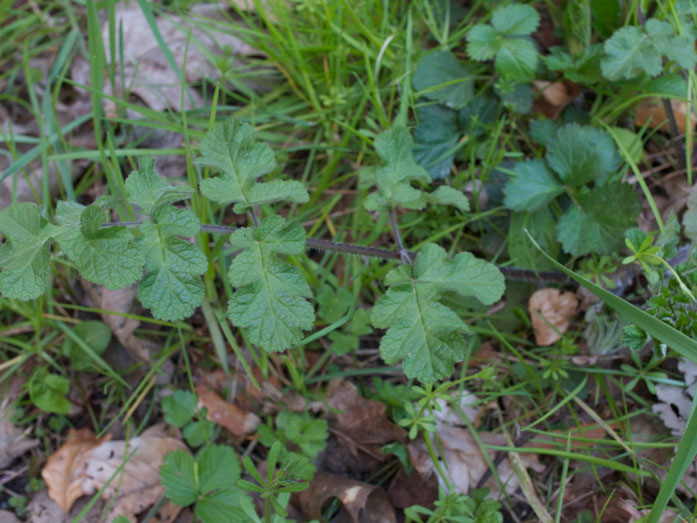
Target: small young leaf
507,39
95,334
48,391
532,187
439,68
106,256
179,408
423,332
146,189
393,177
171,287
270,301
25,256
231,148
179,477
446,195
598,221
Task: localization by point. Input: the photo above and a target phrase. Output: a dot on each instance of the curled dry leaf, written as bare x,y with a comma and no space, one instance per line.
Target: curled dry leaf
555,96
653,111
234,419
361,502
13,441
551,307
362,420
85,464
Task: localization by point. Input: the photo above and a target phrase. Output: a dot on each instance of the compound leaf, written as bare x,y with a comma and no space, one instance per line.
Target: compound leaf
172,287
421,331
507,40
630,52
270,301
107,256
598,221
393,177
25,255
178,474
146,189
230,147
532,186
581,154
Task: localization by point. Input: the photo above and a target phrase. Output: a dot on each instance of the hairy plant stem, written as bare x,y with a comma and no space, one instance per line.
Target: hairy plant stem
512,273
404,254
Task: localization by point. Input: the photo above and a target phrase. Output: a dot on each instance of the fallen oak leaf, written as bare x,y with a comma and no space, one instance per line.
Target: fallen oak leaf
64,469
361,502
128,471
363,420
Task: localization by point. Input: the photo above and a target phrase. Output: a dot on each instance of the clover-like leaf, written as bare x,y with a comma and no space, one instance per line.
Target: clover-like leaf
421,331
507,40
172,287
146,189
393,177
270,301
230,147
107,256
25,255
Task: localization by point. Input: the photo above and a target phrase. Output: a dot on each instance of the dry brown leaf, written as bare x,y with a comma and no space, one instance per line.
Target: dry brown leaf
557,308
363,421
145,68
653,111
85,464
464,462
42,509
554,97
120,300
361,502
234,419
406,490
13,441
64,469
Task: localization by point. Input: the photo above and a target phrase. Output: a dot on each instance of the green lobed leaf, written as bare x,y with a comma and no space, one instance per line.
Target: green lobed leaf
107,256
393,177
218,468
422,332
25,255
631,52
230,147
270,300
446,195
597,223
581,154
507,40
439,68
48,391
178,474
172,287
146,189
532,186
